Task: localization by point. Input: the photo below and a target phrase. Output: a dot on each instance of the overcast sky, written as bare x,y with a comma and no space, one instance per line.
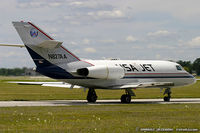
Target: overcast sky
98,29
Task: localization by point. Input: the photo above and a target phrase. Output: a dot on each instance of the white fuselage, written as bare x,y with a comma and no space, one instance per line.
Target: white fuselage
138,71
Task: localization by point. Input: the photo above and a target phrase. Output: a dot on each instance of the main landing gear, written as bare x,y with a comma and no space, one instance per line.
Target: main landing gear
168,92
126,98
91,96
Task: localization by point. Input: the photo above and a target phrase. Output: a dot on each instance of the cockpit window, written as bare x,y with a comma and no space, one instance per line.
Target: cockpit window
178,68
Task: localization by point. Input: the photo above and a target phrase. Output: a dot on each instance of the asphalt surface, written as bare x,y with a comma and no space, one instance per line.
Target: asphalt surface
99,102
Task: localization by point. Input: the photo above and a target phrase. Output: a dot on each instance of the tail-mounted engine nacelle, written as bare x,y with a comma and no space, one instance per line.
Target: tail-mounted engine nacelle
102,72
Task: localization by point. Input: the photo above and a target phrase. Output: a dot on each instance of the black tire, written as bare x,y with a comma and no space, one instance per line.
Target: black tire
125,98
91,99
166,99
128,98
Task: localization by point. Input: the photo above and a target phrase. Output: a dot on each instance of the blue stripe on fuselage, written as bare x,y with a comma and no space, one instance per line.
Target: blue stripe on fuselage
144,77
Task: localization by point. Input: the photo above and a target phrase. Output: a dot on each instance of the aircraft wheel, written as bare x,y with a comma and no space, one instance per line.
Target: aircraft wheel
168,92
91,97
166,99
125,98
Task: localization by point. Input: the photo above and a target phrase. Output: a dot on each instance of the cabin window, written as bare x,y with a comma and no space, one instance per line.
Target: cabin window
178,68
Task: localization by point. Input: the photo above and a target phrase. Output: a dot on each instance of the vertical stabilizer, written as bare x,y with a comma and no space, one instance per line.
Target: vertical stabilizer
44,50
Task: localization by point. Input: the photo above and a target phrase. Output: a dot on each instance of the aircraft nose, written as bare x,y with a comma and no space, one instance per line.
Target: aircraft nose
193,79
190,80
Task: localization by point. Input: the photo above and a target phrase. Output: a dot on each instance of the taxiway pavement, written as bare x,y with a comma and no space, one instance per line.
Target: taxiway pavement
99,102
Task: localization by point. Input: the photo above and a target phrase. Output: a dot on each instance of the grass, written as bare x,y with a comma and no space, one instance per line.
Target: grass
108,119
17,92
100,118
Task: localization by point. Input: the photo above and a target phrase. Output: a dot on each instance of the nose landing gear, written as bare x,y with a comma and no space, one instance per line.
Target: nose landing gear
126,98
168,92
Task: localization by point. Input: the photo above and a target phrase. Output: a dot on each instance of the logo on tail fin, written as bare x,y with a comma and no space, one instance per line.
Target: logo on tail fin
33,32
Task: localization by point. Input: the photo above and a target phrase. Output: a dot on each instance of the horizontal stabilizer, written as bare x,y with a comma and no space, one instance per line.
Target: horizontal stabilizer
13,45
50,44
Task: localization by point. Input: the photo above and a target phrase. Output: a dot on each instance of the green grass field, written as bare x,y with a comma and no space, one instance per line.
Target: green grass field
35,92
122,118
107,119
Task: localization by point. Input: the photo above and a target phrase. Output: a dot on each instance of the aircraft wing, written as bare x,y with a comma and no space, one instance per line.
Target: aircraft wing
49,84
144,85
13,45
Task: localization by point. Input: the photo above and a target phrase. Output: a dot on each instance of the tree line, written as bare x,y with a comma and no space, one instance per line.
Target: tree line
18,72
12,71
191,67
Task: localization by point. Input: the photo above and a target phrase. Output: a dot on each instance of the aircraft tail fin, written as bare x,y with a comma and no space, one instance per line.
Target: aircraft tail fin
44,50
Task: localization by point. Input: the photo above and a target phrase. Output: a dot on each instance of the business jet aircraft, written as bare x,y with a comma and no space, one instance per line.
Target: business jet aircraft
52,59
